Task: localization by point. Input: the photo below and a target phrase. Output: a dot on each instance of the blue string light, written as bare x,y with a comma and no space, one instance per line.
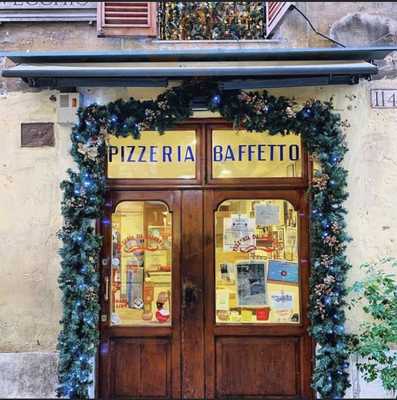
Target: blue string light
307,113
328,300
216,100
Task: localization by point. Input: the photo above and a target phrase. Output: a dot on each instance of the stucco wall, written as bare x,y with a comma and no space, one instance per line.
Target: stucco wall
29,215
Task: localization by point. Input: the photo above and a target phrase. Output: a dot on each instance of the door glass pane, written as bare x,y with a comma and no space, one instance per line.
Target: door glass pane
256,262
141,264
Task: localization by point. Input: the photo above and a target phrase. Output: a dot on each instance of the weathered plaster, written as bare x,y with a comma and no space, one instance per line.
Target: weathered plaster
29,215
28,375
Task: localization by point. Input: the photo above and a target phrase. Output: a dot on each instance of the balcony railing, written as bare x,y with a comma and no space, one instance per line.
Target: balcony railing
217,20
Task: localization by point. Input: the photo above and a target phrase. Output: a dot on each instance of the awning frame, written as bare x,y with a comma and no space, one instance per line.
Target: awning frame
262,67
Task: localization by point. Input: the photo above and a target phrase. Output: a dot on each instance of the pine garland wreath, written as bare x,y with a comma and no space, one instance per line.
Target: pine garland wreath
83,204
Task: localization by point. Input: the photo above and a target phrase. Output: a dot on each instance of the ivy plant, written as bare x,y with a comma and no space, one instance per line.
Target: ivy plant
376,295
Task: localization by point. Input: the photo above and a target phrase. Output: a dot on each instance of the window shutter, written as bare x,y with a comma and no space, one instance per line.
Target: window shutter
275,10
127,18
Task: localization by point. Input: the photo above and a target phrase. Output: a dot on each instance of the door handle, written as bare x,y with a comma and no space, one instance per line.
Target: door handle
106,288
191,294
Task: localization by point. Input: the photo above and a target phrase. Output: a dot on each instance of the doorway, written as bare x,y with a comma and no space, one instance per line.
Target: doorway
205,285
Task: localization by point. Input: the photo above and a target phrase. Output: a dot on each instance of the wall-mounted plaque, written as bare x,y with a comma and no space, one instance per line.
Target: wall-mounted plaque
383,98
37,134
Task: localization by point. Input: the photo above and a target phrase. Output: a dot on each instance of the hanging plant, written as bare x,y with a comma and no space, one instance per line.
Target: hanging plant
83,203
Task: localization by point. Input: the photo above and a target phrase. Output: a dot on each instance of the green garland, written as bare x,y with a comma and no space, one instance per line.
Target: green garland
83,203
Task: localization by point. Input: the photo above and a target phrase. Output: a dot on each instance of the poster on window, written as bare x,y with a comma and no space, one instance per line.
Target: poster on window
251,284
267,214
282,300
239,233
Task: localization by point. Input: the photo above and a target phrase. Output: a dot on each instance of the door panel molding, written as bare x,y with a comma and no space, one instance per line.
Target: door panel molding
141,335
193,311
263,334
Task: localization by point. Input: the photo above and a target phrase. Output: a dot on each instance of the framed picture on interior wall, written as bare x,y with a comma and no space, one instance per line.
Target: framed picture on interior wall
289,215
278,242
251,284
291,249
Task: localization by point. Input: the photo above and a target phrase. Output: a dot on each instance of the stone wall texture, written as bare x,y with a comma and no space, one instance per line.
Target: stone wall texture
29,177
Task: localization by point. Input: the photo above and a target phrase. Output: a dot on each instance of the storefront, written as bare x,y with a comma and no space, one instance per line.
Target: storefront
205,277
207,249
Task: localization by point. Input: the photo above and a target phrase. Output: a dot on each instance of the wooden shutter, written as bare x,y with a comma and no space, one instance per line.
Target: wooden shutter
127,18
275,10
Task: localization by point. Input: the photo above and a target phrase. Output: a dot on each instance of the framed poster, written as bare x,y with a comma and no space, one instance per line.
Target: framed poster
283,271
251,284
267,214
239,233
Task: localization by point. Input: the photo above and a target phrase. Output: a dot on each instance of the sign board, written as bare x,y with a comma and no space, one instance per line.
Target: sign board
244,154
153,156
383,98
233,155
20,11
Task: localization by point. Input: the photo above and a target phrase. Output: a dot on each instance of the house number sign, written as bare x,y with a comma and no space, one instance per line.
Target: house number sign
383,98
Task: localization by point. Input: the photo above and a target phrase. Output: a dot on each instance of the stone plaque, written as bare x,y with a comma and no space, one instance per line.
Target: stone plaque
37,134
18,11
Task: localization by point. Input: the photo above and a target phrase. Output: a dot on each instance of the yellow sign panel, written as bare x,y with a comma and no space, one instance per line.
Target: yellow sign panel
153,156
243,154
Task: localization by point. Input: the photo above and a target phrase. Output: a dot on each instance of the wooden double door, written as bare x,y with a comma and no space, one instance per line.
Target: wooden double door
204,294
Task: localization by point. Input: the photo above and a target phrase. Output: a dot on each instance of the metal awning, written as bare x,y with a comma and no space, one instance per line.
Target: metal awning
232,68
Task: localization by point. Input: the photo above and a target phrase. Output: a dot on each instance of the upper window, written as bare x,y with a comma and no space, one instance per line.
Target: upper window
127,18
170,20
